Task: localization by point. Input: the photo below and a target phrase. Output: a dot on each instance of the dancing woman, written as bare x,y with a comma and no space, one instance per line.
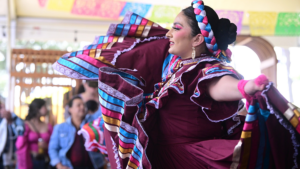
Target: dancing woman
191,118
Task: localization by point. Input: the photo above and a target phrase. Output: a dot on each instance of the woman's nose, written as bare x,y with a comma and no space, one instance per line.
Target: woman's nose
169,34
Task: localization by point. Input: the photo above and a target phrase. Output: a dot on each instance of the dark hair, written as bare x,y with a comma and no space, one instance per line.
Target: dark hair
224,31
34,108
93,84
92,105
81,89
70,104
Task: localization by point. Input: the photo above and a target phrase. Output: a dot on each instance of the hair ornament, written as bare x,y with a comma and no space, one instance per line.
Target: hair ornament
208,33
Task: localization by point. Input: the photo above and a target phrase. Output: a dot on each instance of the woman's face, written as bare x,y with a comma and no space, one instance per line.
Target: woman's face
78,109
181,40
43,111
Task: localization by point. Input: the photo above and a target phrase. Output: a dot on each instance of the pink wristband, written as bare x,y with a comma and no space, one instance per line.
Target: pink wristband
261,79
241,86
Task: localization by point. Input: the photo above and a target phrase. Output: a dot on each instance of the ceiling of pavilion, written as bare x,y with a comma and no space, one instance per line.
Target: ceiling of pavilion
254,17
33,8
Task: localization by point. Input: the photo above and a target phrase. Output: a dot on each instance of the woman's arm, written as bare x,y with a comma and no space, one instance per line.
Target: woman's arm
226,88
22,139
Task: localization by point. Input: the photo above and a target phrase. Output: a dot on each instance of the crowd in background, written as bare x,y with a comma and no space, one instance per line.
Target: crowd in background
34,144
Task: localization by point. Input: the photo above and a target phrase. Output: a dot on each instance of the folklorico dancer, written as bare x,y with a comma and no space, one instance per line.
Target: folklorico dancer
191,119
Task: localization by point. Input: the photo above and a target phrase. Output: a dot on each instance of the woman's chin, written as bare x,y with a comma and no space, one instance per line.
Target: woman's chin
171,51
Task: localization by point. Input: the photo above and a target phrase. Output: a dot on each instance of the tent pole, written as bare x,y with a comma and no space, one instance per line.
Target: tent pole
9,102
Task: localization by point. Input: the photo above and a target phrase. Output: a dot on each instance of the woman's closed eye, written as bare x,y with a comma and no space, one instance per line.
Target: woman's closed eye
175,28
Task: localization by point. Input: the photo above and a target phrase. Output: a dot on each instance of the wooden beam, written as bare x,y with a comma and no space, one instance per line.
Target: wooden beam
36,75
244,42
37,84
268,63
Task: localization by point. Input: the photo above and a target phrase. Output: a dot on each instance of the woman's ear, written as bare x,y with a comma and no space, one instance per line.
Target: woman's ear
198,40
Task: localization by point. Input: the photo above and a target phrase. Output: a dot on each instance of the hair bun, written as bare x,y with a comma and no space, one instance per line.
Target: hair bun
226,33
232,33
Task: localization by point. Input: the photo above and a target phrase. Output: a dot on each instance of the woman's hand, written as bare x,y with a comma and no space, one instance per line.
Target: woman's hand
255,85
251,88
60,166
44,145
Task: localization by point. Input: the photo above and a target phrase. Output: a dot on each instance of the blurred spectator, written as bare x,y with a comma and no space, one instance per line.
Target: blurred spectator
92,106
88,92
33,145
11,126
80,89
66,148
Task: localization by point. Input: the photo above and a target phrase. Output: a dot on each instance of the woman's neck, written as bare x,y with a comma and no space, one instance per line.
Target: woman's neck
76,122
35,120
90,95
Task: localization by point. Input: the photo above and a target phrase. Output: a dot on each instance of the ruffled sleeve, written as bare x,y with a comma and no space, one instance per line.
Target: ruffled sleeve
214,110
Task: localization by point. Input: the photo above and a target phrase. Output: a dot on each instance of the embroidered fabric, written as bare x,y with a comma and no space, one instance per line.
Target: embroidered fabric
111,91
115,150
118,53
282,120
68,72
234,118
178,86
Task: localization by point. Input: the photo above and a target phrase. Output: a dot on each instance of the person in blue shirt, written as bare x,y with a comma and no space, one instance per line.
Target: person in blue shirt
88,91
66,147
11,126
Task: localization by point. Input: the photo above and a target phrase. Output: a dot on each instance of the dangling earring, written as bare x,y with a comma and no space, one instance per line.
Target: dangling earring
193,53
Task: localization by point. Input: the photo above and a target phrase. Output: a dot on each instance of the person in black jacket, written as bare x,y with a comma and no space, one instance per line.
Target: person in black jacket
11,126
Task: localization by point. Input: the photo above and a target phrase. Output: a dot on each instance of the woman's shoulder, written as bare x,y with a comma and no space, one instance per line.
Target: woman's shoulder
26,125
211,67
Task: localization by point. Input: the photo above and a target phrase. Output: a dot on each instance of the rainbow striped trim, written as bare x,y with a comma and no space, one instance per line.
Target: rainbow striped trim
253,149
113,104
94,51
94,137
292,114
218,68
132,25
105,39
132,30
170,65
80,66
130,146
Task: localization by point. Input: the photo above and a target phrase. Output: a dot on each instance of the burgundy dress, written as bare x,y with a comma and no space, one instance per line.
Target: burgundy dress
177,124
180,133
179,136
